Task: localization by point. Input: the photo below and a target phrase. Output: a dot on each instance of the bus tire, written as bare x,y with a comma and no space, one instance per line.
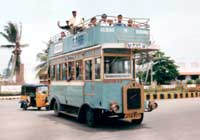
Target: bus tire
138,121
90,117
56,108
82,116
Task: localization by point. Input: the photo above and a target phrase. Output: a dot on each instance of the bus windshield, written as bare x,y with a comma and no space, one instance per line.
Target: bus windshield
117,67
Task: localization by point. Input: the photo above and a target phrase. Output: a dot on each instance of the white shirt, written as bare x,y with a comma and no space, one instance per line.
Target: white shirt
103,23
76,21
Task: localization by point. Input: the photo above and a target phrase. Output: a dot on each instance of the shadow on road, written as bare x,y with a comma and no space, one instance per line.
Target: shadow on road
102,125
32,109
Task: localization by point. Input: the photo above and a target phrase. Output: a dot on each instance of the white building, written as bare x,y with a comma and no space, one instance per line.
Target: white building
189,70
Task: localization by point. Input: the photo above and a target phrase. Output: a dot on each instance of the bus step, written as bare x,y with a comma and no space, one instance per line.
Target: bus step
69,114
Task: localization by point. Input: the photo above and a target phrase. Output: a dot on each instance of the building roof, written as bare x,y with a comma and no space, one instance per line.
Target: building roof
189,73
189,67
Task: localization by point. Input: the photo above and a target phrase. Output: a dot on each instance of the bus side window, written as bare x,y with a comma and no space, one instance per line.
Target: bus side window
71,71
52,72
79,70
97,63
64,71
133,69
88,70
58,71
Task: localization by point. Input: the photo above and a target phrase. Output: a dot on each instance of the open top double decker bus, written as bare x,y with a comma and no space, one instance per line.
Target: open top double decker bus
92,72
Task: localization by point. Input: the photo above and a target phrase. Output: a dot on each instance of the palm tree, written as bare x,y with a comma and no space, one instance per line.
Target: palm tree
42,68
12,33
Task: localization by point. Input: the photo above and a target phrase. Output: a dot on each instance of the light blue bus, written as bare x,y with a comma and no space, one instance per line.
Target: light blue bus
92,73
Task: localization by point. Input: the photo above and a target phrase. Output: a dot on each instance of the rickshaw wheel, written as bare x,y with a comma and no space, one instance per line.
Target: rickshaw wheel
39,108
47,108
24,106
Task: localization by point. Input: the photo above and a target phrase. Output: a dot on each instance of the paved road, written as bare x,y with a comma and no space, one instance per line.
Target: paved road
173,120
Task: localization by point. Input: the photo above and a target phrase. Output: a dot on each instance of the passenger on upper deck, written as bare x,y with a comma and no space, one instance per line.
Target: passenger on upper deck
110,22
119,21
93,22
131,24
103,20
66,27
76,22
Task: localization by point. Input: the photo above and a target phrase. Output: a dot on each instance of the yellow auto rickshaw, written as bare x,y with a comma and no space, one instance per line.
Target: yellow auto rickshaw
33,95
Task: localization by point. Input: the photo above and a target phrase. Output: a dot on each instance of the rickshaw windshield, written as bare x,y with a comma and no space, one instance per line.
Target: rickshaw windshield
29,91
43,89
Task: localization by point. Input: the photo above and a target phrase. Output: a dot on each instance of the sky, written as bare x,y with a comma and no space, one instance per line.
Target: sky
174,24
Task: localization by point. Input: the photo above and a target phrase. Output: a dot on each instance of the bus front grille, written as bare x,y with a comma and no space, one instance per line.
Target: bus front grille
134,98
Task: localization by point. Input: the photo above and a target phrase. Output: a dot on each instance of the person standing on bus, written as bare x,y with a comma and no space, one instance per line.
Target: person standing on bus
76,22
119,21
66,27
131,24
103,20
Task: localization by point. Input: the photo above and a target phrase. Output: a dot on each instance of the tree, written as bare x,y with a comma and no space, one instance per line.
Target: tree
164,68
42,68
158,67
144,61
12,33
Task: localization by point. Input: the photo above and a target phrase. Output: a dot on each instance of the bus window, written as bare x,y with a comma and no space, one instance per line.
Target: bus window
133,71
64,71
97,62
71,71
58,69
52,72
79,75
117,66
88,70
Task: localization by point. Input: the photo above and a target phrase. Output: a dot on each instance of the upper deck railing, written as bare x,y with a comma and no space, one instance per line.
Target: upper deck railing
133,36
142,23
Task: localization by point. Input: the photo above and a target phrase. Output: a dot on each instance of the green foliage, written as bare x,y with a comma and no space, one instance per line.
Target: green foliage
190,82
197,81
142,76
164,69
42,67
11,33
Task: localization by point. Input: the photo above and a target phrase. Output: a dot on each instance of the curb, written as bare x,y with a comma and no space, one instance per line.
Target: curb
162,96
9,97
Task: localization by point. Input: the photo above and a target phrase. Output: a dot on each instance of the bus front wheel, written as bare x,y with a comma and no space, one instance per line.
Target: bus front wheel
90,117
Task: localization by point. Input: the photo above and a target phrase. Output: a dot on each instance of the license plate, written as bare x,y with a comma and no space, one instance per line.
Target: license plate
133,116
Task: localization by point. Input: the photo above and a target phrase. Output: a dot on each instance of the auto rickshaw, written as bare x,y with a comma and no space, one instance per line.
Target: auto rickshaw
33,95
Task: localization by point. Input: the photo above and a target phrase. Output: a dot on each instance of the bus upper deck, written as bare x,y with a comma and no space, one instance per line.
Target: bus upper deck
132,37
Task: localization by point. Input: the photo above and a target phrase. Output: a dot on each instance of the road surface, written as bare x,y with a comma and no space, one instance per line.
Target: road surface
173,120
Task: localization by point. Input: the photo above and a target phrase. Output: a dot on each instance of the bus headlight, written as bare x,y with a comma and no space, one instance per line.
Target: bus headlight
152,105
114,107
